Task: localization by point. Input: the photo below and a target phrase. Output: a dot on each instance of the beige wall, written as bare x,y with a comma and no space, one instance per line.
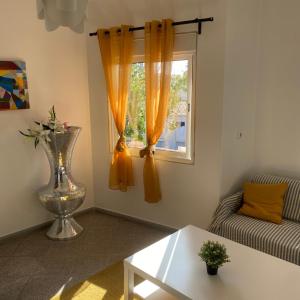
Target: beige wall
240,91
278,105
190,192
57,74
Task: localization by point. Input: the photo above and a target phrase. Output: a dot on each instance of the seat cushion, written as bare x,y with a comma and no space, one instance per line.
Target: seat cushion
291,206
281,240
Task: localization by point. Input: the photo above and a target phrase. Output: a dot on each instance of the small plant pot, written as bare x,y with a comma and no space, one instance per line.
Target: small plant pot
211,270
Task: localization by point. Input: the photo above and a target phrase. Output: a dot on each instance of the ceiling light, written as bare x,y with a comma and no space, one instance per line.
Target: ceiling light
68,13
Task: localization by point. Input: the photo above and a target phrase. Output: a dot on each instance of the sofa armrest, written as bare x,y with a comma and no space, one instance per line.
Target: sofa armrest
226,207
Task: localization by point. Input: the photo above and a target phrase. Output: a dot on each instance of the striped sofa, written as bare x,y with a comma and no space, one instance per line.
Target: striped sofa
281,240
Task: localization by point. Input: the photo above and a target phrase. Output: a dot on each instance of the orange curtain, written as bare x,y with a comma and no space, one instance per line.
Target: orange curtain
116,46
159,41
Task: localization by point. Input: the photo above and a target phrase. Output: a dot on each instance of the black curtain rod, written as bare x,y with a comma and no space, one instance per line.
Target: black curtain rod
199,21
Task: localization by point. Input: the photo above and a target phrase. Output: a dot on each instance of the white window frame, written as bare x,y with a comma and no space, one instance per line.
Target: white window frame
167,154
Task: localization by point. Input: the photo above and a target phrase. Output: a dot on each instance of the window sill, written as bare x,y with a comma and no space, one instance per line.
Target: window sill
165,155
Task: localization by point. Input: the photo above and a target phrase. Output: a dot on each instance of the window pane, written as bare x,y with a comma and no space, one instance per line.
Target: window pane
135,130
174,134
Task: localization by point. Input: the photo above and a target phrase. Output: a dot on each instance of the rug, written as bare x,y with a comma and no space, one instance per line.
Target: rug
105,285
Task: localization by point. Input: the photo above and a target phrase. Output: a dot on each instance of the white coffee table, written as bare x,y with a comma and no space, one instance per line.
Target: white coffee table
172,264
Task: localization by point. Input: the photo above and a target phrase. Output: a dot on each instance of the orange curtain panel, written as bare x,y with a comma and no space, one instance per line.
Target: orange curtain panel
116,46
159,42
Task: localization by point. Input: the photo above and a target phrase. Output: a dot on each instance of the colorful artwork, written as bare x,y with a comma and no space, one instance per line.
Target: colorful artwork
13,85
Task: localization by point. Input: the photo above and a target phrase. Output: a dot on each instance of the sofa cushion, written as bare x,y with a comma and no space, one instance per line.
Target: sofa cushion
264,201
282,240
291,209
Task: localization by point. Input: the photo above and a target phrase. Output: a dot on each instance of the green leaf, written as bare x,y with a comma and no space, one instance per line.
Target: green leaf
45,127
214,253
52,114
36,142
25,134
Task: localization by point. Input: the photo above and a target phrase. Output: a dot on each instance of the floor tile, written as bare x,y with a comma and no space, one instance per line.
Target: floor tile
21,266
44,287
11,287
33,248
3,261
7,248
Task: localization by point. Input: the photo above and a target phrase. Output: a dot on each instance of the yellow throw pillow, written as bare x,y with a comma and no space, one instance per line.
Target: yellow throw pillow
264,201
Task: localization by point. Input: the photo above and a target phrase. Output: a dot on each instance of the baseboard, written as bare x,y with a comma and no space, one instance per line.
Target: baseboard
166,228
39,226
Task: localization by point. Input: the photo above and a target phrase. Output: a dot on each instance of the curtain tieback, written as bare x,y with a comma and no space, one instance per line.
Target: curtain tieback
121,144
147,151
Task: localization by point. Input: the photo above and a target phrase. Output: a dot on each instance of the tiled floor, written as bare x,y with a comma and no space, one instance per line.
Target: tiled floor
34,267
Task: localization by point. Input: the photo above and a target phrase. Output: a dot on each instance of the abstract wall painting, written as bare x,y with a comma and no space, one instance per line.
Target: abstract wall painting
13,85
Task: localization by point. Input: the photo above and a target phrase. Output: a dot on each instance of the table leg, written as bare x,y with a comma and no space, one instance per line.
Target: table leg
128,283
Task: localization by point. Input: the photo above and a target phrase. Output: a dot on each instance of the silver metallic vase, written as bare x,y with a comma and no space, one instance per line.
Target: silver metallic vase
62,195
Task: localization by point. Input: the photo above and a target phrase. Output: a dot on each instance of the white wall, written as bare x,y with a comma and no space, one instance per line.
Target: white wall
190,192
240,87
261,91
278,105
57,74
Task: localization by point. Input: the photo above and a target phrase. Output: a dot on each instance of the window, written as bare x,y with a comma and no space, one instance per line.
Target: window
175,143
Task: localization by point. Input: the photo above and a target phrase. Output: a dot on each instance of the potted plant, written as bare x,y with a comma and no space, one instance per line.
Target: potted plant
214,254
42,130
